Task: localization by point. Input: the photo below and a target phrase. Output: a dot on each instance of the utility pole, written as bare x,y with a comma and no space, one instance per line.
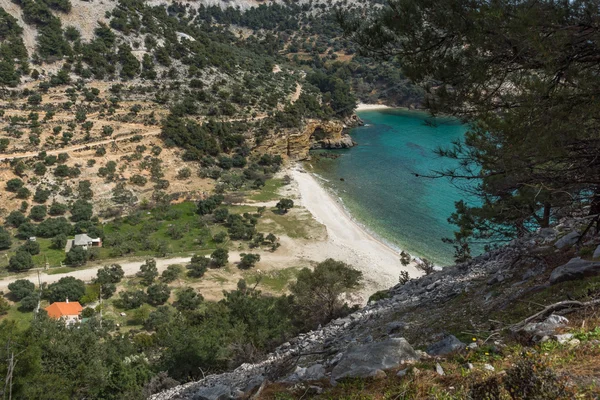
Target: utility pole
37,309
101,306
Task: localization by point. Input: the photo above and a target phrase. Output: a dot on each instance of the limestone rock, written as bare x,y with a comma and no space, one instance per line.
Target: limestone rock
568,240
576,268
445,346
597,252
367,360
439,369
546,328
217,392
315,135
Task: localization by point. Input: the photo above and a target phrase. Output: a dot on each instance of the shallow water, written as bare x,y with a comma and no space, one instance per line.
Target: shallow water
376,180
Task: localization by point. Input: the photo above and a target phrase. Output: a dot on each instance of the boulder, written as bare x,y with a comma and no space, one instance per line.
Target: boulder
447,345
312,373
371,359
575,269
217,392
547,328
395,327
597,252
568,240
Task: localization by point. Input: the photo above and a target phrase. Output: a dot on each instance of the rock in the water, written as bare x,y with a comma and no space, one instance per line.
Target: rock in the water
576,268
445,346
568,240
367,360
217,392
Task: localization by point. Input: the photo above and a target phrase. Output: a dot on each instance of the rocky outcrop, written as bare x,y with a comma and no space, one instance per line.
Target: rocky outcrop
370,360
576,268
447,345
295,145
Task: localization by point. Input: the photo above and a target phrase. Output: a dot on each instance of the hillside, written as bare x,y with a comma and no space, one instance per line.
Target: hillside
493,327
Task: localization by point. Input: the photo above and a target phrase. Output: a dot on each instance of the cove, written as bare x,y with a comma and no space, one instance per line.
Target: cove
377,185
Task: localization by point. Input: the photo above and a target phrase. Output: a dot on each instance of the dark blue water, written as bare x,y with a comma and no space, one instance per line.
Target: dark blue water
379,187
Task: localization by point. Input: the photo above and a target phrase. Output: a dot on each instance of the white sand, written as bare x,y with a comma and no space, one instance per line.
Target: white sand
366,107
347,241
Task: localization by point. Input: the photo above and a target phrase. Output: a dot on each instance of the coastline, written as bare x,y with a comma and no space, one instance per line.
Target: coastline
379,262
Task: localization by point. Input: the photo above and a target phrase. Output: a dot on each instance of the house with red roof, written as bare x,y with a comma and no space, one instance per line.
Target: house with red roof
70,312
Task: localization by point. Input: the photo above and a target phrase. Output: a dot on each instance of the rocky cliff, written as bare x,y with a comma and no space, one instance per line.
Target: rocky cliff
315,134
486,294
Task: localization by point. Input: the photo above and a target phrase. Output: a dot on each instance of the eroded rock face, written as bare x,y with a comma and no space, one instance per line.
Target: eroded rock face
315,135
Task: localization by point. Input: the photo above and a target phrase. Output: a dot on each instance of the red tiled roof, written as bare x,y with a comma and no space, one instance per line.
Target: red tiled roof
60,309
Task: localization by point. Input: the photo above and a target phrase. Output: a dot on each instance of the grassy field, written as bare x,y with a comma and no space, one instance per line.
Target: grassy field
270,191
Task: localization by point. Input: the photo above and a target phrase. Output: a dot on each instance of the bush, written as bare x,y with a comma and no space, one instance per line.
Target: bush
13,185
31,247
248,260
51,227
158,294
317,293
219,257
148,272
210,204
15,219
21,288
284,205
221,214
131,299
198,265
21,261
59,241
532,378
188,299
66,288
77,256
81,210
184,173
37,213
171,274
57,209
26,230
220,237
29,303
41,195
23,193
5,239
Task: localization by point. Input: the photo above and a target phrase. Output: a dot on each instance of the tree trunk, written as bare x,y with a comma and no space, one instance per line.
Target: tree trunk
546,218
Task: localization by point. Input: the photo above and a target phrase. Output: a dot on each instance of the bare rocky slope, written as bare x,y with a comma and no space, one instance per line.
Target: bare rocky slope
487,294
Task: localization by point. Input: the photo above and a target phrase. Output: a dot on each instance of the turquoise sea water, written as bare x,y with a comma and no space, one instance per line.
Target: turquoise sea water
379,187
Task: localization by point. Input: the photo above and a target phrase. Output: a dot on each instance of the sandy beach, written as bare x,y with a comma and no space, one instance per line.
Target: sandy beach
366,107
346,240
